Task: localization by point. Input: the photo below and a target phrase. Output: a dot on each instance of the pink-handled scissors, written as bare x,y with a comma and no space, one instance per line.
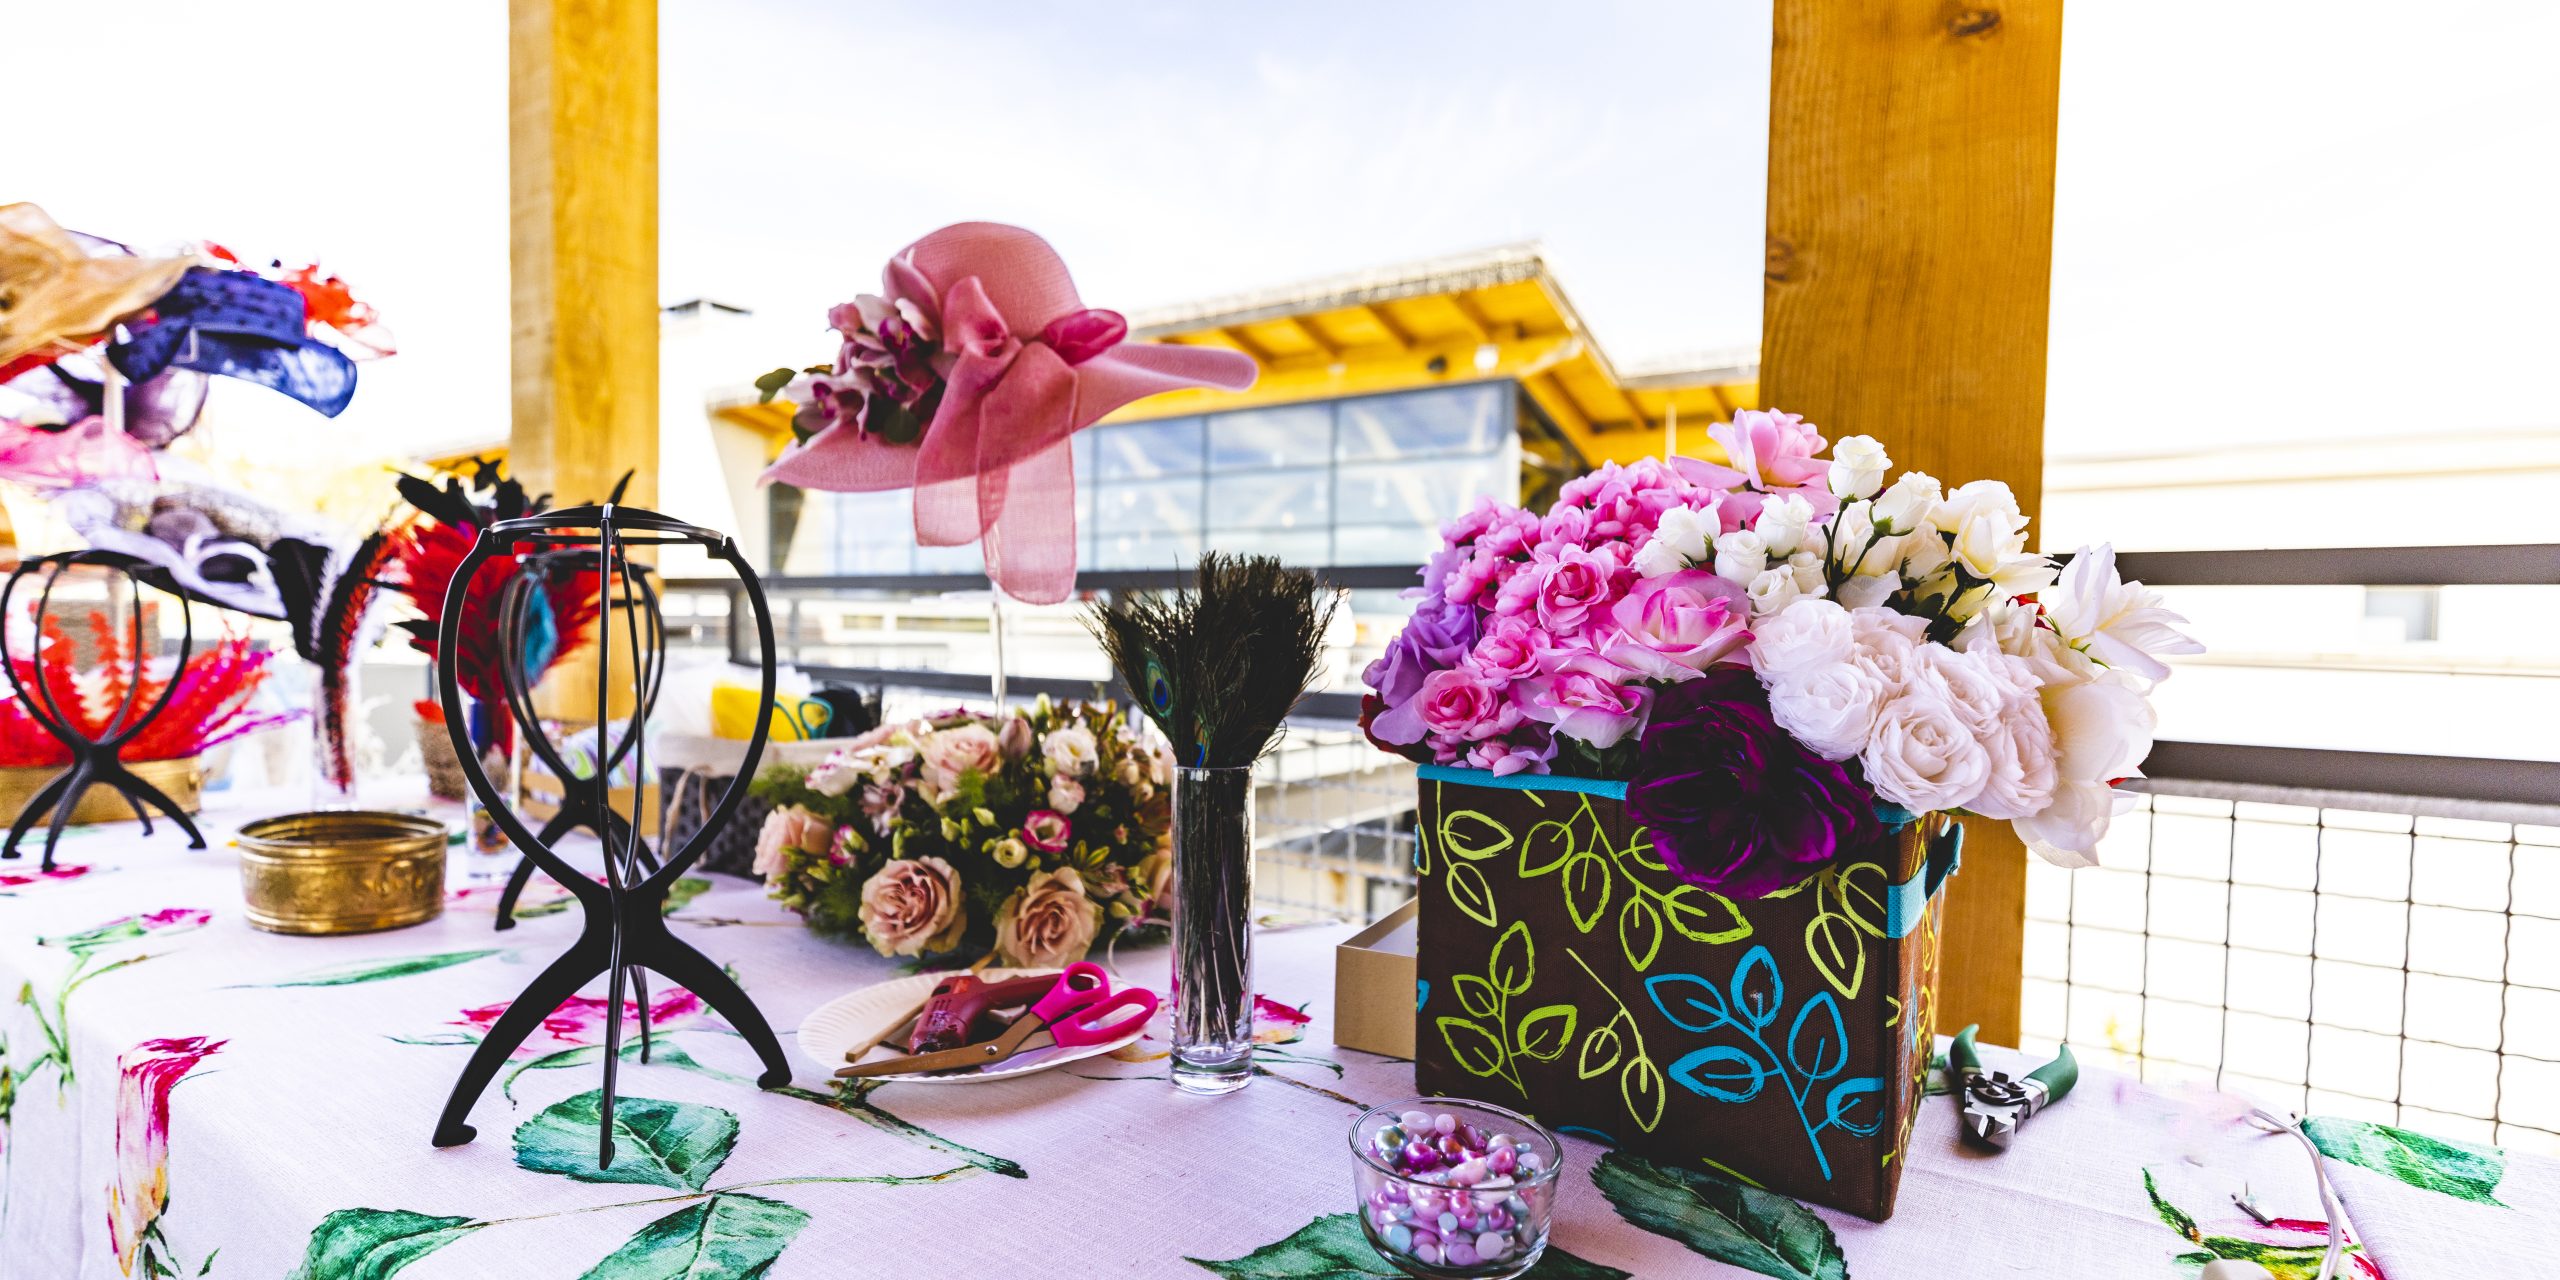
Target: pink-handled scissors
1080,1009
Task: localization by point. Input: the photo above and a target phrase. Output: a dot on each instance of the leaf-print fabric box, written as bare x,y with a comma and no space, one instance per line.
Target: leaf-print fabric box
1564,970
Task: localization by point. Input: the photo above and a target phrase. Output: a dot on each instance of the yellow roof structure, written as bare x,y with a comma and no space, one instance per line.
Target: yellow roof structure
1496,313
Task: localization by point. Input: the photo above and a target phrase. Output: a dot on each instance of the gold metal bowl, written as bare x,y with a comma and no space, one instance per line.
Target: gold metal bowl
180,779
342,871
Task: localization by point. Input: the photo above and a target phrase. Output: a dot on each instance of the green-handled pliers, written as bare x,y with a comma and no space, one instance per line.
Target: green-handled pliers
1995,1102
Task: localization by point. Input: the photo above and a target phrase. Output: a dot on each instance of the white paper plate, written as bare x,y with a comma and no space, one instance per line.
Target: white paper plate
856,1016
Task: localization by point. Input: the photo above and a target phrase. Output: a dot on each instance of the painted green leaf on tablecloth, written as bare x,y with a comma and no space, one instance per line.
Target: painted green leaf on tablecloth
664,1144
374,1244
728,1237
340,975
682,892
663,1052
1333,1248
1722,1219
2457,1169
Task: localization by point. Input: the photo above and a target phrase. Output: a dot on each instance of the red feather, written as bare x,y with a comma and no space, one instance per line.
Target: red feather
428,553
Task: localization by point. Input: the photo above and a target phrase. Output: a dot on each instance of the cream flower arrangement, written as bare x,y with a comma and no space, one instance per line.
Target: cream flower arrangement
1026,834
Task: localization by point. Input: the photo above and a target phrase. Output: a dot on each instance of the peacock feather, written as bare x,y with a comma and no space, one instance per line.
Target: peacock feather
1219,666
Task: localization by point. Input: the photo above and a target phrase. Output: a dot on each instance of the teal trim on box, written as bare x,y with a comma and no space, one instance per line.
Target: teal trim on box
1522,781
1904,903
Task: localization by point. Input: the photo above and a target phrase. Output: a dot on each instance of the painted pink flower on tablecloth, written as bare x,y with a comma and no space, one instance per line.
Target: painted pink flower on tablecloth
147,1072
22,879
580,1019
1277,1023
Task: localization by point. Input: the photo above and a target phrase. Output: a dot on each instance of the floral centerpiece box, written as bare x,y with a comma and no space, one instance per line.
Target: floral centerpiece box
1694,743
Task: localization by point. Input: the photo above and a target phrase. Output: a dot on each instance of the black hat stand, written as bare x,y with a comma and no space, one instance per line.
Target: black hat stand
582,799
624,930
94,762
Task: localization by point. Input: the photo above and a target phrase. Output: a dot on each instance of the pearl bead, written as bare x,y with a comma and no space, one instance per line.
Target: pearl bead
1400,1238
1427,1254
1414,1120
1533,1162
1502,1163
1417,1156
1461,1255
1448,1222
1492,1244
1425,1238
1445,1123
1467,1174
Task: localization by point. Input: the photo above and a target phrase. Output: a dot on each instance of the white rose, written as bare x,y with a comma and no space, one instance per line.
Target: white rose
1869,591
1812,635
2101,731
1922,755
1909,503
2067,832
836,776
1772,591
1071,750
1852,532
1977,685
1858,464
1984,525
1782,524
1807,564
1830,709
1657,558
1924,555
1740,556
1887,642
2022,777
1688,531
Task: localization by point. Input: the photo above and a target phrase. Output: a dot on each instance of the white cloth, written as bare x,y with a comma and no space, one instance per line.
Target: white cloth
320,1098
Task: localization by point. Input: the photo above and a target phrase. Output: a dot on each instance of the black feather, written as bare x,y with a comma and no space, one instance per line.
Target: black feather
1218,667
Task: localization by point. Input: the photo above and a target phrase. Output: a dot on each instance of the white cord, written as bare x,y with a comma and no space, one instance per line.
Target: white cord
2329,1206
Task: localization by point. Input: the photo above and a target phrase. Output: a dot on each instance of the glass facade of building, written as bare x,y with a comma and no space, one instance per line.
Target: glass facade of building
1360,480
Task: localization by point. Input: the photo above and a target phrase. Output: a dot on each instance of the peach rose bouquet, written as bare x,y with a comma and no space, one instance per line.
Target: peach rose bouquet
1028,833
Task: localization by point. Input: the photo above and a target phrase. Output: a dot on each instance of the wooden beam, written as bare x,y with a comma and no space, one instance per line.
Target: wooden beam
1395,330
1306,327
1910,227
582,101
1245,343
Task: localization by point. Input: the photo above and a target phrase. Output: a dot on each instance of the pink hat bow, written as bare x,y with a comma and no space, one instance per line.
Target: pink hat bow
981,329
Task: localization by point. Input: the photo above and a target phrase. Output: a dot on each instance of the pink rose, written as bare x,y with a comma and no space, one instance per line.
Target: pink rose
1676,626
1572,584
912,907
1015,741
1888,644
787,830
2023,776
1585,700
1923,756
1048,923
1046,830
949,753
1065,794
1510,649
1460,704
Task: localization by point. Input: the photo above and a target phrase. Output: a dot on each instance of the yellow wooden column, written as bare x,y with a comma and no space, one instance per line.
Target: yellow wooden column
582,103
1911,147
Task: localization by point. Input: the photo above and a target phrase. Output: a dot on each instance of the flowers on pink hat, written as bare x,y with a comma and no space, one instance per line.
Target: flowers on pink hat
963,379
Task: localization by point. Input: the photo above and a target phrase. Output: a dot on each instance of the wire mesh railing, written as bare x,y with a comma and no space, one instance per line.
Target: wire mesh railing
2394,966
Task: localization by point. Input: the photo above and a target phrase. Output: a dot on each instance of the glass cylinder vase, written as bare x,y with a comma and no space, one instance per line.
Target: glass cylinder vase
1213,929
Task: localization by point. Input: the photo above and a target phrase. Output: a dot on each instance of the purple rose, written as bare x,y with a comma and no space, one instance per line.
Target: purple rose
1439,635
1734,803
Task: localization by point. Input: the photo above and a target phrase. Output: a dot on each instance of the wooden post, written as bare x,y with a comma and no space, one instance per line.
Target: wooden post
1911,147
583,134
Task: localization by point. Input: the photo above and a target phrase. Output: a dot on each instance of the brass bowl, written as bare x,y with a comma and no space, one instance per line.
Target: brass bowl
181,779
342,871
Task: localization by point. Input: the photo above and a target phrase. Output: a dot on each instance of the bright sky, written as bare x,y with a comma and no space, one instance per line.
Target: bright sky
2293,221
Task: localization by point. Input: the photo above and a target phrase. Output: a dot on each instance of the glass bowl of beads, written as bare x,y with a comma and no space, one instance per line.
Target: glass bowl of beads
1450,1187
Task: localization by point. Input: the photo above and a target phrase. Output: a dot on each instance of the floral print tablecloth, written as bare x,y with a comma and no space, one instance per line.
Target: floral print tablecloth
181,1095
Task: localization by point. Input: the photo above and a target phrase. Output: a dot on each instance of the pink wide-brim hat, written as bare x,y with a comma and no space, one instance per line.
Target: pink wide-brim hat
995,462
